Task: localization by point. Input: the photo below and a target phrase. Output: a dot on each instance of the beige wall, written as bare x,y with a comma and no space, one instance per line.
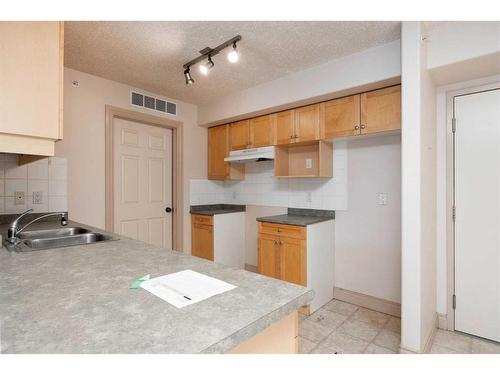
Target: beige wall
83,145
368,235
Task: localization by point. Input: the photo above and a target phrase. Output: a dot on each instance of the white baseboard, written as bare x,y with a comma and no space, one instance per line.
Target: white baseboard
442,321
430,338
370,302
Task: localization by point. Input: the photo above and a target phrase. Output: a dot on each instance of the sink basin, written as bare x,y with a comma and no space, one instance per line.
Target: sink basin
51,233
54,238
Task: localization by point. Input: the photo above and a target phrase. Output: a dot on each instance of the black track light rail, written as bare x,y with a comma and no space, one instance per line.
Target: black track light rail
205,52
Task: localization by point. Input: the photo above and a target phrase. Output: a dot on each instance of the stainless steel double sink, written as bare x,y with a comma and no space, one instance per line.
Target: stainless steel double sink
53,238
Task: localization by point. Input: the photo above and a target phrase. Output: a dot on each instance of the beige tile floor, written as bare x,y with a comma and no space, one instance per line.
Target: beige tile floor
343,328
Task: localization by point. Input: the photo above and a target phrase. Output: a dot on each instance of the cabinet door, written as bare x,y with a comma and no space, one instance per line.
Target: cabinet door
202,241
340,117
239,135
268,262
261,131
218,149
381,110
307,123
31,79
285,127
293,260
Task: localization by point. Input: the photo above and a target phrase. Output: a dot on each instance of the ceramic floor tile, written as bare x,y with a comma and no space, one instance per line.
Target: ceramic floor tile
375,349
453,340
359,329
438,349
370,316
305,346
389,340
313,331
341,307
394,325
485,347
343,344
327,318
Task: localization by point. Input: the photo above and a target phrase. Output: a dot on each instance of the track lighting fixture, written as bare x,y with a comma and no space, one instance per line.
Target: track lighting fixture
187,75
207,53
233,56
204,68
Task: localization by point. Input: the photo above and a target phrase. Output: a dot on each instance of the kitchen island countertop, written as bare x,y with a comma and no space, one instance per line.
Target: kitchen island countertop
77,300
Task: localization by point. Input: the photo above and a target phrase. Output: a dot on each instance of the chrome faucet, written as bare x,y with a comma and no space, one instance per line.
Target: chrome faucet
14,230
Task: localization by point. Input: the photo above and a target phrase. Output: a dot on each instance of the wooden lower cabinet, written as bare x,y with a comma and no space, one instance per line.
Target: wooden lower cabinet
202,241
301,255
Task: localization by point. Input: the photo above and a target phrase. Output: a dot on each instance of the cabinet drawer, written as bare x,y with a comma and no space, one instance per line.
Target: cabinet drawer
292,231
202,219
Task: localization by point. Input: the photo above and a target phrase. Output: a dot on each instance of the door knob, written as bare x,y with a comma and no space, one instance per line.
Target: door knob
168,209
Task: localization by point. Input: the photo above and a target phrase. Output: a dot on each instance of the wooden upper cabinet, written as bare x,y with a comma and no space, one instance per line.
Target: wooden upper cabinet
293,260
262,131
31,82
340,117
239,135
285,127
381,110
307,123
202,240
218,149
268,256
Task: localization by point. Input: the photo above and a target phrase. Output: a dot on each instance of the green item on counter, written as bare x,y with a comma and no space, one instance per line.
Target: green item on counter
137,283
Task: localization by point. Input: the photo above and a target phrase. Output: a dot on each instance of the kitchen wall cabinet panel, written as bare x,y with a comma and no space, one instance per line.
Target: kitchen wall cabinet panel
381,110
31,66
285,127
307,123
262,131
239,135
218,149
340,117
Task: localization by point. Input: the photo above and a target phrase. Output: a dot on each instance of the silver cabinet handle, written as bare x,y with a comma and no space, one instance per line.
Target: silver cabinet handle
356,127
362,126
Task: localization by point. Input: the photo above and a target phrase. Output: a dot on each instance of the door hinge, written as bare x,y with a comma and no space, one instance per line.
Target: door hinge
454,213
453,125
454,302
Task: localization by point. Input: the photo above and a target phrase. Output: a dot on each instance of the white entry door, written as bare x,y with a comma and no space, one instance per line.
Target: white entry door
477,226
142,185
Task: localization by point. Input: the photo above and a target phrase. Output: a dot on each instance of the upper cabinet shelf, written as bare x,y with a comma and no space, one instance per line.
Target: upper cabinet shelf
31,62
371,112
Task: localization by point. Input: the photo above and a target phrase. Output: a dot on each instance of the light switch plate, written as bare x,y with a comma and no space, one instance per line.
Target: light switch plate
37,197
19,198
309,163
382,199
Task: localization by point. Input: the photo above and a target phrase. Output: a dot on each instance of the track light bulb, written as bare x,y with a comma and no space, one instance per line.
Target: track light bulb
233,55
187,75
204,68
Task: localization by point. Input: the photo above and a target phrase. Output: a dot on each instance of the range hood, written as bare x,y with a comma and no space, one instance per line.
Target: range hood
251,154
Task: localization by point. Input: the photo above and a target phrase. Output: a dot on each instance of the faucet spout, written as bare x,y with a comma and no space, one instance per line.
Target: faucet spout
14,230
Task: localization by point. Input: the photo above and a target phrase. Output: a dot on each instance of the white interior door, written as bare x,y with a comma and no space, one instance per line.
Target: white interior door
477,226
142,157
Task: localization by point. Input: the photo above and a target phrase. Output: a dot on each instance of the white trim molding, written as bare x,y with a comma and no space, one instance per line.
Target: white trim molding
370,302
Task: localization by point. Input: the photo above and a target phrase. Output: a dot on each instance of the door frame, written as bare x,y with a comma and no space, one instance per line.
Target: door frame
177,196
450,194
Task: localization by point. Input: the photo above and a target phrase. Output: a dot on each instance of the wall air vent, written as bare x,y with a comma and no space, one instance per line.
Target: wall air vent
138,99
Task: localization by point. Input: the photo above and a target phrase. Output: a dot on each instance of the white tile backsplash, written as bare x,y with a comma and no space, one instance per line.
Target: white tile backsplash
261,188
47,175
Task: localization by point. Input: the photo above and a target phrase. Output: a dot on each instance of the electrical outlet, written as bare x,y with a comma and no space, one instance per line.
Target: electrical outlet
382,199
19,198
235,195
309,163
37,197
308,197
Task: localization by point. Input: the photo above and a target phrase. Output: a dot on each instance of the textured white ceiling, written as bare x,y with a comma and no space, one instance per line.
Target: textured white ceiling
150,55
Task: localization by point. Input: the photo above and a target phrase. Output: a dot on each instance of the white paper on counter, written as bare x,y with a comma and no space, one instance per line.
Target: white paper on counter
177,288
